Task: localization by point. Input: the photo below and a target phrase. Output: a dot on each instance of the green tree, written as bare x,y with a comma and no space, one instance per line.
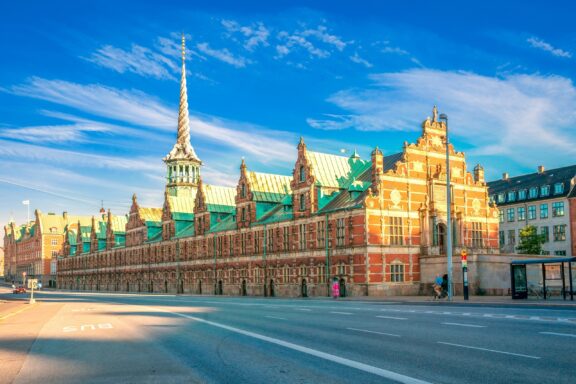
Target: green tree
530,241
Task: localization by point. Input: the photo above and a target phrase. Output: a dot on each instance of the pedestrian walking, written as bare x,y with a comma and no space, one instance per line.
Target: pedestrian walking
335,289
437,285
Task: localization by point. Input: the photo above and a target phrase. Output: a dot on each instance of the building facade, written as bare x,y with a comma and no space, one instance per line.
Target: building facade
541,199
365,222
30,248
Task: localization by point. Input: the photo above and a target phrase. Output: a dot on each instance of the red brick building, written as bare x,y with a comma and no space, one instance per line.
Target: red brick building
365,222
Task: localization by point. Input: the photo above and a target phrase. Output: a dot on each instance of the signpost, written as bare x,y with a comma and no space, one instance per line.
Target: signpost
32,284
464,256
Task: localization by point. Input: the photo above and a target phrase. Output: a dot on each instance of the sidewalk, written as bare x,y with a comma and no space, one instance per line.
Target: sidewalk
555,302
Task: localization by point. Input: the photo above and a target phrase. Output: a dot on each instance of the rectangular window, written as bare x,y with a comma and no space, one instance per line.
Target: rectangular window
397,273
522,194
477,238
559,232
270,240
502,238
544,190
521,213
231,245
560,253
512,237
302,202
512,196
302,236
320,234
256,242
531,212
243,245
54,242
396,230
545,232
558,209
501,212
286,239
340,232
533,193
510,213
545,252
558,188
543,211
501,197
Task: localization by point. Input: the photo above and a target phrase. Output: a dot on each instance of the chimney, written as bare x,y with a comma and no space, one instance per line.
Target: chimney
540,169
505,176
479,174
65,215
377,168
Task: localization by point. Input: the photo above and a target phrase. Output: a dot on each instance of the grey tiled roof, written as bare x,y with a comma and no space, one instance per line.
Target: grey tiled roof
549,177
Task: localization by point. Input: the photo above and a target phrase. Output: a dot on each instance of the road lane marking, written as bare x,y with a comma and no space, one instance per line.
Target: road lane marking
466,325
392,317
16,312
378,333
341,313
313,352
558,334
86,327
490,350
303,309
274,317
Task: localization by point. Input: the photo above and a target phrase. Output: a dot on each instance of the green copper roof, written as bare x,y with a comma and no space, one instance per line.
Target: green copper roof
226,224
335,171
269,187
186,231
280,213
219,199
182,204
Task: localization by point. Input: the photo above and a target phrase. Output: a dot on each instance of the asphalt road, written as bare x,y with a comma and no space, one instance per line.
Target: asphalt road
104,338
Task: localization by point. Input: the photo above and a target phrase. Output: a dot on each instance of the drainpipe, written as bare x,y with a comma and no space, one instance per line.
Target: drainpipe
264,257
214,252
326,244
178,267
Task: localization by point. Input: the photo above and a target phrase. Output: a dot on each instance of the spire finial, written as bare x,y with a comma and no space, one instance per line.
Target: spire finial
434,114
183,48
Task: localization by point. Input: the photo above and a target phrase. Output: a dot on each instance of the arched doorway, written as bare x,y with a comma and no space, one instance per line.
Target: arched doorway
151,287
199,287
181,287
244,290
271,288
127,286
220,289
304,288
342,284
442,237
165,286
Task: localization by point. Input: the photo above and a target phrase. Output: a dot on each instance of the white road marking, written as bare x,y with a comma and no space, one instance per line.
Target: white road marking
341,313
303,309
392,317
274,317
313,352
87,327
378,333
489,350
465,325
558,334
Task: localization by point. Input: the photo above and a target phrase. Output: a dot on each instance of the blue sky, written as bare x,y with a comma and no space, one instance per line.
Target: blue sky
89,92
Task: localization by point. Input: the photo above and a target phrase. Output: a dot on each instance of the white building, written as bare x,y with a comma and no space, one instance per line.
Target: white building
539,199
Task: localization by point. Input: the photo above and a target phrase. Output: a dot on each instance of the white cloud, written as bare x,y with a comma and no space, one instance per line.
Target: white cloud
321,33
394,50
139,109
296,40
541,44
528,118
223,55
359,60
51,133
138,60
255,34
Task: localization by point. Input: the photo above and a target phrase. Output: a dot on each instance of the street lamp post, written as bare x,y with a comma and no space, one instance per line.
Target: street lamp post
444,117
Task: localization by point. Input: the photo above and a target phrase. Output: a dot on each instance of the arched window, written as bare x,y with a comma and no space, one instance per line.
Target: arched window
302,174
243,191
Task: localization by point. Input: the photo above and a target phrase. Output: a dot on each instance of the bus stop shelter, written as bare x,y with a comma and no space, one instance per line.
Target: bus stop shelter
519,279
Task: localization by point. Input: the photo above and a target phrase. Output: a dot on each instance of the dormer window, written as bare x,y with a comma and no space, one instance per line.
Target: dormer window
512,196
522,194
558,188
501,197
544,190
533,193
302,174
